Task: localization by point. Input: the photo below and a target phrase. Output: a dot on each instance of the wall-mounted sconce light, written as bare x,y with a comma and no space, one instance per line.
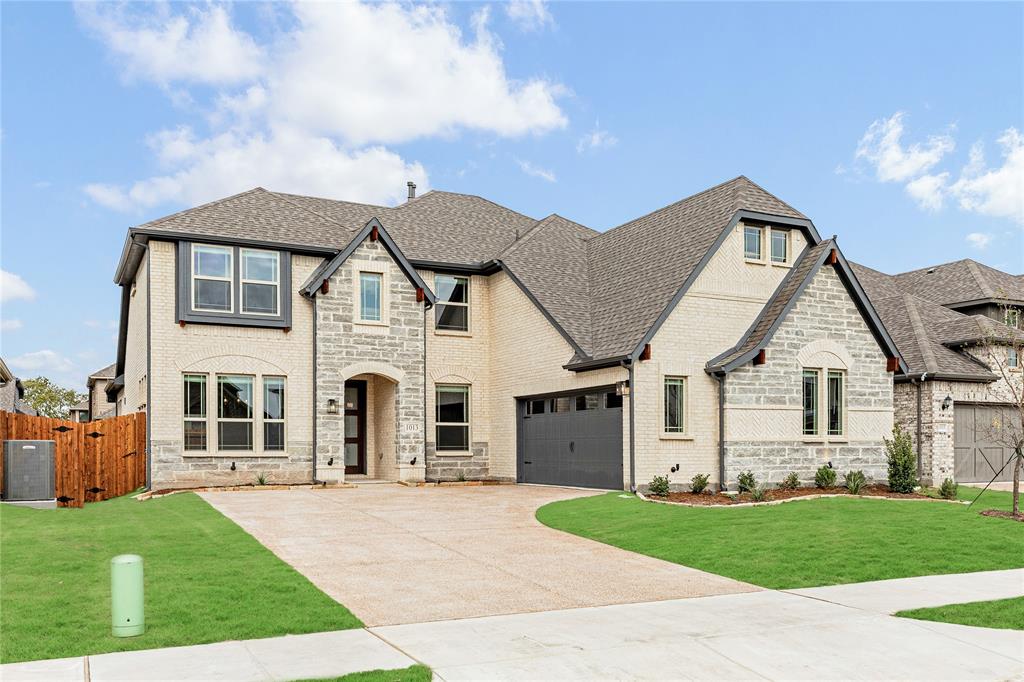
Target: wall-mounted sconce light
332,406
233,466
947,402
412,462
675,468
622,388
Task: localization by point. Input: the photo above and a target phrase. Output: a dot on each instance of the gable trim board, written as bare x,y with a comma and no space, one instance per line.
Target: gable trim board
729,360
328,268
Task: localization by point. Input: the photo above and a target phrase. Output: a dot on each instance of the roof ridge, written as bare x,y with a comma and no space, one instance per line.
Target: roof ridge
157,221
920,333
784,203
337,201
534,229
972,267
932,267
473,196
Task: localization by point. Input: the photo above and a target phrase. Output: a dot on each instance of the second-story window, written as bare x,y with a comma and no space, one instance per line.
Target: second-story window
261,278
371,290
752,236
1012,317
212,278
452,303
780,246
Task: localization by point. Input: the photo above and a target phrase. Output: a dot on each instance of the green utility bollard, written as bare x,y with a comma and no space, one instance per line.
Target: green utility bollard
127,610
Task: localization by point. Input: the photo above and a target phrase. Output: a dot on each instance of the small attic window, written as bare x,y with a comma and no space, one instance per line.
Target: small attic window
753,236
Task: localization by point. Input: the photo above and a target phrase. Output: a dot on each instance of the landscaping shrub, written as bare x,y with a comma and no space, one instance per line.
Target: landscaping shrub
899,452
261,478
825,477
746,481
854,481
658,486
790,482
948,489
698,483
759,493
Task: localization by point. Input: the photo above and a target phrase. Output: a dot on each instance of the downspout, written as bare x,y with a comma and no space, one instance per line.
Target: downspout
632,429
315,378
721,430
920,461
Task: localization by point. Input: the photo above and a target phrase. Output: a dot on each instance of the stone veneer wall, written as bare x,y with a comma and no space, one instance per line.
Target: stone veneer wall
346,348
764,403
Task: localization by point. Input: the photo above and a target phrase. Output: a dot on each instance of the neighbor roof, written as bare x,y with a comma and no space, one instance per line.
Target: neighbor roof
962,281
108,372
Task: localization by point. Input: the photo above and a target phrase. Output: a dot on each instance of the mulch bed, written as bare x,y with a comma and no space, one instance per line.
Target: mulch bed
1003,515
708,498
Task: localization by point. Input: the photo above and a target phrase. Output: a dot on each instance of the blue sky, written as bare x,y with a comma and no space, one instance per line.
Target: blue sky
894,126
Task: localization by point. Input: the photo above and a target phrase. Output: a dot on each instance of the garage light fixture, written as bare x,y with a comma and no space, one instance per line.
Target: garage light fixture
622,388
947,402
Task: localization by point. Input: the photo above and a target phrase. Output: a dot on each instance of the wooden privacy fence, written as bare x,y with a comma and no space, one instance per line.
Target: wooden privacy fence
95,460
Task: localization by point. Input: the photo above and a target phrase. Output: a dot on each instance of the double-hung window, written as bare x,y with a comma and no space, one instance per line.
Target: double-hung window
234,412
452,303
452,417
752,237
1012,358
195,411
371,295
780,246
212,278
675,405
834,394
273,413
810,402
261,282
836,401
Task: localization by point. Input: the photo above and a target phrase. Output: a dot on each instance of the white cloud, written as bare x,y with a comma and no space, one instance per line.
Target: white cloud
995,192
529,15
596,139
13,287
928,190
311,107
43,361
979,240
536,171
200,46
882,147
10,325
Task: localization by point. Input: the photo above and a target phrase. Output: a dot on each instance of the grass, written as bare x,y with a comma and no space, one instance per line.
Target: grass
414,673
206,580
805,543
1005,614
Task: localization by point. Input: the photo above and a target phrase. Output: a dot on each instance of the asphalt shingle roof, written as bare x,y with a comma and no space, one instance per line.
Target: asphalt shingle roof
961,281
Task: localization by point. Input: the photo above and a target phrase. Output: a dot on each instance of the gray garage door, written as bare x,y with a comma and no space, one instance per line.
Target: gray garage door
572,440
977,435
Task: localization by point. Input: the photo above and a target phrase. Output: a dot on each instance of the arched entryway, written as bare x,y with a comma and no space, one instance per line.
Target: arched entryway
370,427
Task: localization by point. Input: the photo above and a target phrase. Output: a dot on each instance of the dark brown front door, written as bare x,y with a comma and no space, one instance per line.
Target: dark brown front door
355,427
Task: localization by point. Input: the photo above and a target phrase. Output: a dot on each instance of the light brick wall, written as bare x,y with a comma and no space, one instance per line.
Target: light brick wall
133,395
764,403
720,306
213,349
347,348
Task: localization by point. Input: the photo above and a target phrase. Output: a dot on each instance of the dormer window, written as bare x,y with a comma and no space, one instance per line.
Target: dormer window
753,235
780,246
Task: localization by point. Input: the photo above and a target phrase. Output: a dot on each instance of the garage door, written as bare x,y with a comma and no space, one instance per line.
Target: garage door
977,432
572,440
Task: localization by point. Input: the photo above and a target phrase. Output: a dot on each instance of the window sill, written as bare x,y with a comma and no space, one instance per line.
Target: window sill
372,323
675,436
755,261
781,265
238,454
452,453
453,332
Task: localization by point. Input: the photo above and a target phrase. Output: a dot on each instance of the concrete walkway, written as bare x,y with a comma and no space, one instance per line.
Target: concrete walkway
295,657
393,554
901,594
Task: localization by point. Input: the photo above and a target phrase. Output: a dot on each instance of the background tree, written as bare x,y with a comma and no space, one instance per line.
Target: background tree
49,399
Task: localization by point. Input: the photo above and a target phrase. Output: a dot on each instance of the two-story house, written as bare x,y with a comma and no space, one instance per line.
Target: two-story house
958,328
450,337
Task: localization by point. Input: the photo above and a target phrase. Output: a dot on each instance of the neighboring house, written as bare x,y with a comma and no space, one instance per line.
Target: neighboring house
12,393
945,320
450,337
79,412
99,386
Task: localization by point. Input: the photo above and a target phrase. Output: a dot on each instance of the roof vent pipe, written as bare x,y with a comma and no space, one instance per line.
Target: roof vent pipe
412,190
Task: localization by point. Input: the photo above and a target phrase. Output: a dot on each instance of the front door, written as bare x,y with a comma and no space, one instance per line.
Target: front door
355,427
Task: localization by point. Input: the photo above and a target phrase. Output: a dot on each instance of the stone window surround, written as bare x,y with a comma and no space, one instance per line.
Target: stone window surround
381,269
468,423
212,396
183,291
766,232
685,434
468,305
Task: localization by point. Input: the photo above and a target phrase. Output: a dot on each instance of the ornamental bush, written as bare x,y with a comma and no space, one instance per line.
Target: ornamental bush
825,477
759,493
698,483
854,481
790,482
948,489
746,481
899,453
658,486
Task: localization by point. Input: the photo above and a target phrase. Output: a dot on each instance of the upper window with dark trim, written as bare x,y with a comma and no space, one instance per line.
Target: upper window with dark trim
452,303
753,235
236,285
780,246
1012,317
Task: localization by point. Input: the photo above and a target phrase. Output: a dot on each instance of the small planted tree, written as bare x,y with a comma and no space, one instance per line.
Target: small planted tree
899,453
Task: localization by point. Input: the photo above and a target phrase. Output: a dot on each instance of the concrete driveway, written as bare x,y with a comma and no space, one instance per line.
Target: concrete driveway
397,555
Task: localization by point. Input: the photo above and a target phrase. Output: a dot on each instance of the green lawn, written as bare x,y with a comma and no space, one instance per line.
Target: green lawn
1006,614
206,580
806,543
414,673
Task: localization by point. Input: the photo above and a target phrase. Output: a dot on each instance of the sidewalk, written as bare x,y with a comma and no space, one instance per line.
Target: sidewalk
901,594
293,657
